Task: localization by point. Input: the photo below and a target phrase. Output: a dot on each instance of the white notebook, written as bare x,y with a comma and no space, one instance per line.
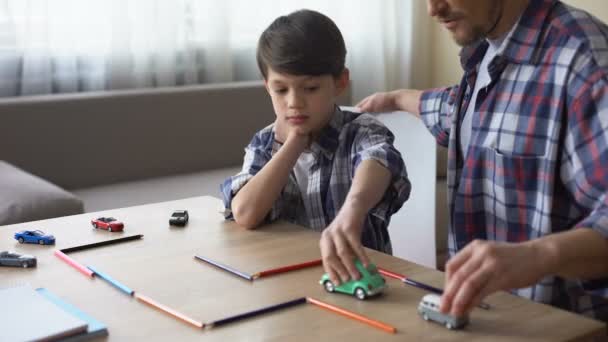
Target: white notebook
25,315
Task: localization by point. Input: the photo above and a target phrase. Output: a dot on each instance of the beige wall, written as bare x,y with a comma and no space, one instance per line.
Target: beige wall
446,68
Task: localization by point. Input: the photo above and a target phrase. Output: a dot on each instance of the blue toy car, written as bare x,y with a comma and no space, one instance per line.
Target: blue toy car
34,236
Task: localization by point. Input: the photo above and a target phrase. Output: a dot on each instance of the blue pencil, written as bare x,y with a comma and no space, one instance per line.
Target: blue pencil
112,282
225,267
256,312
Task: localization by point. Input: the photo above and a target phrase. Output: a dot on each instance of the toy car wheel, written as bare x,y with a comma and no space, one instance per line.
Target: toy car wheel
109,228
449,325
329,286
425,317
20,240
360,293
24,265
41,242
95,225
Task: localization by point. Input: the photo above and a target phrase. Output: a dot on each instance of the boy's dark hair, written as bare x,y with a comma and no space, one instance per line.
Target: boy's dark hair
304,42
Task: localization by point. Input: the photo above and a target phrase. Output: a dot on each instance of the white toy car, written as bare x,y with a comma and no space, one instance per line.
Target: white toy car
429,310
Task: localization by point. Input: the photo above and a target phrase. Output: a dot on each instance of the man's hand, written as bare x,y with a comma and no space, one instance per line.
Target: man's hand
484,267
402,99
378,102
341,244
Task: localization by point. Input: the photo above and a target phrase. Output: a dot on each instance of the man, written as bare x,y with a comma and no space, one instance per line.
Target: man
528,152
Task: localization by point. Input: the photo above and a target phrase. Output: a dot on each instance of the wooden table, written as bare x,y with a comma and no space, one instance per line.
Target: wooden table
161,266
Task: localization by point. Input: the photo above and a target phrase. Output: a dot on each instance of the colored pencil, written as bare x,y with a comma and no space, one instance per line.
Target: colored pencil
149,301
73,263
111,280
423,286
225,267
101,243
350,314
420,285
257,312
390,274
288,268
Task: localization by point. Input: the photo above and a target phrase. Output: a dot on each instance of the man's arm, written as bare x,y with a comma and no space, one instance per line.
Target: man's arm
580,253
434,106
485,267
341,241
253,202
407,100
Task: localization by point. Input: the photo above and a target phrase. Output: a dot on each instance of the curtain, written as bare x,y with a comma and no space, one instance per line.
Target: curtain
58,46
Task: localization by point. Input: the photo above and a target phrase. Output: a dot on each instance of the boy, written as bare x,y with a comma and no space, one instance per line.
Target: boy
317,166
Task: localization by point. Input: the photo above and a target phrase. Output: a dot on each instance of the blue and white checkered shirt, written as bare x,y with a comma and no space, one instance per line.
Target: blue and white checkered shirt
537,162
343,144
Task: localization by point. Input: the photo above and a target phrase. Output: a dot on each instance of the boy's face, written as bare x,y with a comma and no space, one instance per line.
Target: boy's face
306,102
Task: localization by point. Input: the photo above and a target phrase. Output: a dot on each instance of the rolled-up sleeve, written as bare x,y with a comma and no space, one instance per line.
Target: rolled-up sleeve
375,142
256,156
585,156
436,108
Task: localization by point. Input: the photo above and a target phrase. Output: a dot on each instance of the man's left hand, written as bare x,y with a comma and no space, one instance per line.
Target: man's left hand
484,267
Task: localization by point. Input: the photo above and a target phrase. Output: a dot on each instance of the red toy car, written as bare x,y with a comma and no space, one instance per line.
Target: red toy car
109,223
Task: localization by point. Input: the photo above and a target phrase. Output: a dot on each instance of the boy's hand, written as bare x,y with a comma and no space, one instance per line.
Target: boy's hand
341,244
285,132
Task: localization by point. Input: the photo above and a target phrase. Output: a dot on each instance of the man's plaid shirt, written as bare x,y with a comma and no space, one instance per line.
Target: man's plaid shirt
537,162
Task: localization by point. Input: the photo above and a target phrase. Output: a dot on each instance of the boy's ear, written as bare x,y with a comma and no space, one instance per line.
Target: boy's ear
266,86
343,81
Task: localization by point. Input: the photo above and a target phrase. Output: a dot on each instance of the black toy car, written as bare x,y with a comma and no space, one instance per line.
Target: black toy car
179,218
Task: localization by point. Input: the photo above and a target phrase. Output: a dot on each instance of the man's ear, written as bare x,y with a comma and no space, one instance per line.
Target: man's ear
342,81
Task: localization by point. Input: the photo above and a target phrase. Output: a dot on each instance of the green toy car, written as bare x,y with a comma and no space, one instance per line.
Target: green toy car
370,284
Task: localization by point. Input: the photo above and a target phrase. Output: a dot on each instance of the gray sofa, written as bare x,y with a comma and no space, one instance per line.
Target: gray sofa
120,148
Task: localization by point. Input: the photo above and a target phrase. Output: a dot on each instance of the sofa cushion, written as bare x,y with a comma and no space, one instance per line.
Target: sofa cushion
25,197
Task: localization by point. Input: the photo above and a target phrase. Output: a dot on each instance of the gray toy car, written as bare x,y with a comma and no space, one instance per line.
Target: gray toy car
17,260
429,310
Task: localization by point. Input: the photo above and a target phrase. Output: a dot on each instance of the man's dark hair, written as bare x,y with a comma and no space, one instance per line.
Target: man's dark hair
304,42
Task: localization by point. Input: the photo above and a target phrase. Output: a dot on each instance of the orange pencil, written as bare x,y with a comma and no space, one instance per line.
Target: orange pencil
158,306
349,314
73,263
288,268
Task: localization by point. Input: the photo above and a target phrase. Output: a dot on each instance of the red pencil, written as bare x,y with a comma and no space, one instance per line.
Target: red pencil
350,314
391,274
288,268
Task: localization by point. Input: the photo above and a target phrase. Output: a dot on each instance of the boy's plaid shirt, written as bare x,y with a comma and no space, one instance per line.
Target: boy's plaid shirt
538,157
346,141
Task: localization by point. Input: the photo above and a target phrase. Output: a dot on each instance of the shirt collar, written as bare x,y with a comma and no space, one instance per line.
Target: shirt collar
329,137
521,43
